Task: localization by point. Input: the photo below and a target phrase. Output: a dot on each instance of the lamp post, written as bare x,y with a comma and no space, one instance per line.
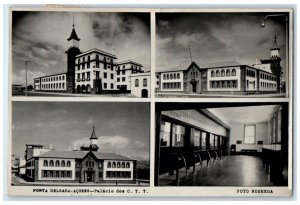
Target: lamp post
26,62
263,24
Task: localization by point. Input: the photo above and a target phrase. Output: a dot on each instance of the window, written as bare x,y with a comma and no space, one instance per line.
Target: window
249,135
178,75
63,163
136,83
196,136
57,163
45,163
222,73
178,135
113,165
123,164
100,164
77,164
227,72
127,165
56,174
218,73
211,141
145,82
203,140
123,72
118,165
118,79
88,76
123,79
51,164
68,163
233,72
105,85
108,165
165,133
104,75
111,76
111,86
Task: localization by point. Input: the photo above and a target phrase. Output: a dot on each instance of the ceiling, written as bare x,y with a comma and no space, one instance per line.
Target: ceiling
245,115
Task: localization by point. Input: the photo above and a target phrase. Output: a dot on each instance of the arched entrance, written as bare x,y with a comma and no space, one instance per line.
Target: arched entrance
83,89
78,90
144,93
88,88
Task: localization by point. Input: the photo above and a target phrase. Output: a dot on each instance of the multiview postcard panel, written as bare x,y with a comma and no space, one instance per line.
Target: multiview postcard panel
222,144
223,54
58,53
80,144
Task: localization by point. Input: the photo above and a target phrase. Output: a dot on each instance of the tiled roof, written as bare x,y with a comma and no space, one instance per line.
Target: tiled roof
65,154
218,64
105,155
82,154
203,65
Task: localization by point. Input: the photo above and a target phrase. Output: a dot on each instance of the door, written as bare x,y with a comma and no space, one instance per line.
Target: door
144,93
90,176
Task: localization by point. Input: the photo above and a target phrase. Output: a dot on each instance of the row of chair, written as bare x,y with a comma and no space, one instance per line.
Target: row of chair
176,161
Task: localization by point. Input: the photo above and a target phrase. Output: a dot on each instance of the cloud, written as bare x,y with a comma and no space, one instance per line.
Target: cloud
42,37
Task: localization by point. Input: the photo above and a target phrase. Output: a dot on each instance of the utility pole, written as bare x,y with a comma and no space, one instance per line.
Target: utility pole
26,62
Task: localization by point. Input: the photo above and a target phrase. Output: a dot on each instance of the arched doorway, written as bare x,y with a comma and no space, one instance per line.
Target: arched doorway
144,93
83,89
88,88
78,90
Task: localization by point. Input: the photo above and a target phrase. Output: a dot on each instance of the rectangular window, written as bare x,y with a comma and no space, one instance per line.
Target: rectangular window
165,134
211,141
118,79
196,134
105,85
111,86
111,76
203,140
100,174
123,79
88,75
178,133
123,72
249,135
104,75
77,174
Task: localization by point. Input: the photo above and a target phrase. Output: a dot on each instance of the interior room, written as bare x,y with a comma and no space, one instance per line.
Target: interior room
221,144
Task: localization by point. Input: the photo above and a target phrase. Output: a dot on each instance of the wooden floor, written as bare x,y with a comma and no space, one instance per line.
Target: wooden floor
231,171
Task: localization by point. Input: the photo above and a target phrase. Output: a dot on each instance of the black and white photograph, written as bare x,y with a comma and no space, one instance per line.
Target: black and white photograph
222,54
103,54
80,144
222,144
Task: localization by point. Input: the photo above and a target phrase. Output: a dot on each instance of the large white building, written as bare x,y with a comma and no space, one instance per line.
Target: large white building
228,77
93,71
84,165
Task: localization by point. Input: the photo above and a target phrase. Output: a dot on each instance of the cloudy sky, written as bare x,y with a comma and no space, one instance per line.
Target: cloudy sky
42,37
215,37
65,124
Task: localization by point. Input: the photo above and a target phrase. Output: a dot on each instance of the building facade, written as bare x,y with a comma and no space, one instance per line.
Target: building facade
140,84
124,71
91,72
84,165
228,77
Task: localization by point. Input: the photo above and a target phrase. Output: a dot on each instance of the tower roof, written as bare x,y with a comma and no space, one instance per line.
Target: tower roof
73,35
275,45
93,136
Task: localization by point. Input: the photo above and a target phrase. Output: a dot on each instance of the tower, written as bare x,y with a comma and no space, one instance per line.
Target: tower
72,52
275,62
93,142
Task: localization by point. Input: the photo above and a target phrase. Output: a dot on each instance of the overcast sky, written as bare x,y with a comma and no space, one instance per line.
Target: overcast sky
42,37
70,123
216,37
